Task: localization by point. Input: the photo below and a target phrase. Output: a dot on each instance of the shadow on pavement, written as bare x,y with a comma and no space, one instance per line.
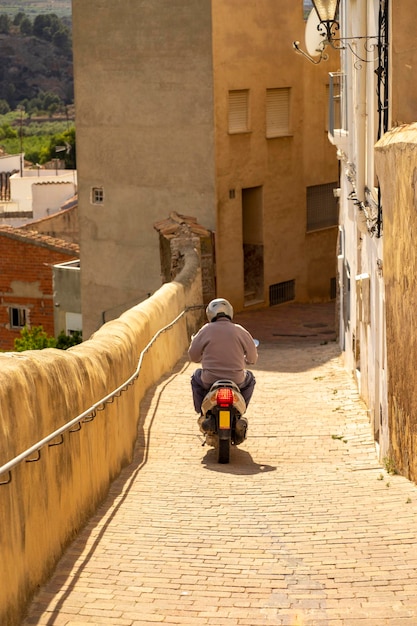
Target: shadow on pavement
241,463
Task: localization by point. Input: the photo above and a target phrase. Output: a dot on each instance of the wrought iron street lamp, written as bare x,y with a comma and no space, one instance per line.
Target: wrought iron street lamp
326,18
327,11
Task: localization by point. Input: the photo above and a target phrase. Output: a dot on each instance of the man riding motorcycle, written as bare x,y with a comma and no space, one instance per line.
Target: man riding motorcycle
224,349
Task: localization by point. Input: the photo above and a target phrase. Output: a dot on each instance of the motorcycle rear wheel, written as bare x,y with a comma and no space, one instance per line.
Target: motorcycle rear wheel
224,451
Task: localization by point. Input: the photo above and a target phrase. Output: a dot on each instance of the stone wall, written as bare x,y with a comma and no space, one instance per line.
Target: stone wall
49,500
396,163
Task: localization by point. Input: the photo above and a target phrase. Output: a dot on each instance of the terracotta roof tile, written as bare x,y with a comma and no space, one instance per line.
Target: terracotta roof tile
176,223
34,238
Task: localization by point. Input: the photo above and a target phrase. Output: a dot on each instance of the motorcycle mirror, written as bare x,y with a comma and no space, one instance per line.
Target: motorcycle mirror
256,342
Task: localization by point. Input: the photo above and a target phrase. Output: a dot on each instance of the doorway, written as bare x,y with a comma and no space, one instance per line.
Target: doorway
253,244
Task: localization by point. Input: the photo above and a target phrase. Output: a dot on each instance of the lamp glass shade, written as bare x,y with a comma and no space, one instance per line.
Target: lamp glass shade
326,9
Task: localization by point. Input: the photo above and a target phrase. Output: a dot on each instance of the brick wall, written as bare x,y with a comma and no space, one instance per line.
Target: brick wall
26,280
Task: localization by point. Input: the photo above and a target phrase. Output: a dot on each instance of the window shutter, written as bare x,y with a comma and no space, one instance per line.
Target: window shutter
277,112
322,207
239,111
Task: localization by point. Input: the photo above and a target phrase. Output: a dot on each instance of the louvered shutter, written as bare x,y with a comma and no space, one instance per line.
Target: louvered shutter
239,111
277,112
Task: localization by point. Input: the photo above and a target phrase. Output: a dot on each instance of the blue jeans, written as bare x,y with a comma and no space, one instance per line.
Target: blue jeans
199,390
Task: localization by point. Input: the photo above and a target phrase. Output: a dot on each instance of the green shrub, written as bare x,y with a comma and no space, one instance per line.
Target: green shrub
66,341
35,338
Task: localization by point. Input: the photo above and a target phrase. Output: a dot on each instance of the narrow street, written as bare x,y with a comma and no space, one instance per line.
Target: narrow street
303,528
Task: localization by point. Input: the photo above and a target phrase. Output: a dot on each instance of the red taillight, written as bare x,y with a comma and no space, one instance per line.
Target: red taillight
224,397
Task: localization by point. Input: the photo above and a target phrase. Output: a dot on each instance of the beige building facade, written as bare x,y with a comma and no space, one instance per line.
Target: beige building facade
276,212
145,140
201,107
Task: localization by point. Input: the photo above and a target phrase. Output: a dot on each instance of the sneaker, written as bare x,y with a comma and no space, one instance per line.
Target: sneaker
240,430
206,424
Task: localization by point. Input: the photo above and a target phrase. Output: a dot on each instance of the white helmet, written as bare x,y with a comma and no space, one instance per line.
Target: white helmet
219,308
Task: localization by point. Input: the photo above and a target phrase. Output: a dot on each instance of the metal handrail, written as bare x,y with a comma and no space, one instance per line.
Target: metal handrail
87,415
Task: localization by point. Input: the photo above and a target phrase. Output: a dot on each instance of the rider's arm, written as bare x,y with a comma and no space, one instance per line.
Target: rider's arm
196,349
251,353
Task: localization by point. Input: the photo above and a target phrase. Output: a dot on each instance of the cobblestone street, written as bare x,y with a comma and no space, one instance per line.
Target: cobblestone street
304,527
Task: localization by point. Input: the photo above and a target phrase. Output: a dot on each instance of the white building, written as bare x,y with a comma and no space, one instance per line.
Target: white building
359,115
361,97
31,194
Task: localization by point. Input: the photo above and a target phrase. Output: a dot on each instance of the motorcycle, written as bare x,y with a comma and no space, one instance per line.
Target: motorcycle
222,418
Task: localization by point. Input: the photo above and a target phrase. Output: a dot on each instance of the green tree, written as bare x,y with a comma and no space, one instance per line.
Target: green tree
18,18
33,155
62,39
62,146
44,26
26,27
5,24
4,107
7,132
50,99
33,339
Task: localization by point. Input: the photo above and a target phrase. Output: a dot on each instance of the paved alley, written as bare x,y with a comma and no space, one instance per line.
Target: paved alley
303,528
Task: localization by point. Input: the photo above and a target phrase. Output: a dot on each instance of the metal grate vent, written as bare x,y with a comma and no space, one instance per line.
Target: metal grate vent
333,288
281,292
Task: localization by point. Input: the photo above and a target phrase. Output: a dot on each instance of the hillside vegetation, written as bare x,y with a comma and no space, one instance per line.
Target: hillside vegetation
36,82
37,59
62,8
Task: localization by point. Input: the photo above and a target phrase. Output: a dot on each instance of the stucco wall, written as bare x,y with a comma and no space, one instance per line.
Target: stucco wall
403,61
63,225
48,198
47,501
144,116
252,50
396,163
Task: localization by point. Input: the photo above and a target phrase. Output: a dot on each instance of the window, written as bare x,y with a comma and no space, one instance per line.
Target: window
322,206
277,112
337,104
73,323
17,317
97,195
239,111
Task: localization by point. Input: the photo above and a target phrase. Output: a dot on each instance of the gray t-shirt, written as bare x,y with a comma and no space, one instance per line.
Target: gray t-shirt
224,349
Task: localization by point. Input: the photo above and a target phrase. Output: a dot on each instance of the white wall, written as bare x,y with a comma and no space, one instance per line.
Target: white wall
363,337
41,192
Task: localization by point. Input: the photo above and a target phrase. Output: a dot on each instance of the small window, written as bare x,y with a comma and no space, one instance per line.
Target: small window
17,317
337,104
97,195
73,323
277,112
322,206
239,111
